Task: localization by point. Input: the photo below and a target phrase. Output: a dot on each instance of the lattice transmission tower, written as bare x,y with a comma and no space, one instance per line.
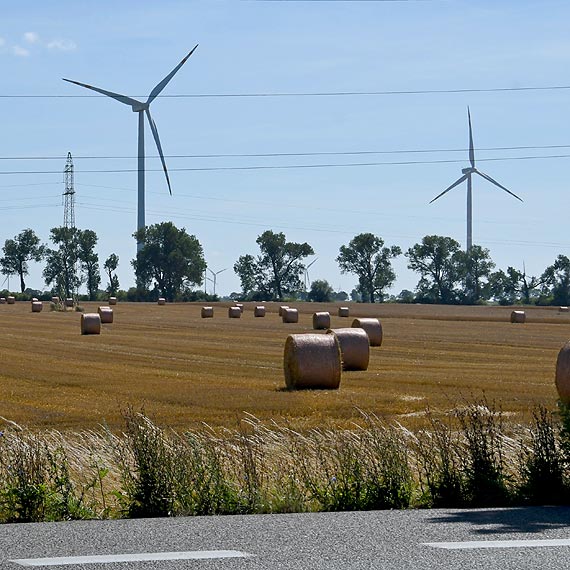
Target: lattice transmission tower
69,194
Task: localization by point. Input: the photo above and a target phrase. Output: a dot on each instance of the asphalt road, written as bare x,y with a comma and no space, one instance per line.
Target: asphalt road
333,541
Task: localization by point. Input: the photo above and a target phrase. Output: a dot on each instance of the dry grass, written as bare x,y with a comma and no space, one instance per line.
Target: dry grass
186,370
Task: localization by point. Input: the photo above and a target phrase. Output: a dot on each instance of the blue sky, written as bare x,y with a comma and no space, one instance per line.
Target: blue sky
252,46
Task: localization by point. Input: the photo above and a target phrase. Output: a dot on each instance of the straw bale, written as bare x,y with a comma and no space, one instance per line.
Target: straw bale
161,301
68,302
106,314
563,373
343,312
259,311
34,300
563,309
234,312
55,299
354,347
112,300
321,320
312,361
37,307
289,315
90,323
373,329
282,308
11,300
207,312
518,317
240,306
3,300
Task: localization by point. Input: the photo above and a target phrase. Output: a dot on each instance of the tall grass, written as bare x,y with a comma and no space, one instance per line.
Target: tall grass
471,457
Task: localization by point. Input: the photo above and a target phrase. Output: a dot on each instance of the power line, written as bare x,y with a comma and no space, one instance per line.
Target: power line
292,166
311,93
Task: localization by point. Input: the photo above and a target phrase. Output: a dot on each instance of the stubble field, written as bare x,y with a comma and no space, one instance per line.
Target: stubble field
185,370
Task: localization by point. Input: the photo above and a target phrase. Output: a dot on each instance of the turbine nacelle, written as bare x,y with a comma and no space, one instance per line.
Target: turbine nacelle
139,107
469,170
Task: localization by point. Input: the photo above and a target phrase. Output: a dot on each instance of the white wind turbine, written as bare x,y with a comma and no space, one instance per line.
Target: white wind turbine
306,275
215,276
467,173
143,108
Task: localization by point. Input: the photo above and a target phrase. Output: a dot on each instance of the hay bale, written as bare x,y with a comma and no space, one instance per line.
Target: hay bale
106,315
518,317
562,379
68,302
312,361
240,307
37,307
354,347
34,300
563,309
373,329
207,312
55,300
321,320
234,312
259,311
112,300
11,300
343,312
282,308
3,300
90,323
161,301
290,315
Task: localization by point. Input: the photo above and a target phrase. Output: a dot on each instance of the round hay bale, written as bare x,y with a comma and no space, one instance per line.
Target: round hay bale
290,315
11,300
343,312
240,307
563,309
37,307
259,311
90,323
234,312
34,300
373,329
312,361
161,301
321,320
68,302
112,300
207,312
518,317
563,373
106,315
282,308
354,347
55,299
3,300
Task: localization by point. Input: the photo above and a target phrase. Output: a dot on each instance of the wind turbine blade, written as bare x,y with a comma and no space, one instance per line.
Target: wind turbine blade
471,149
122,98
487,177
156,91
159,147
456,183
310,264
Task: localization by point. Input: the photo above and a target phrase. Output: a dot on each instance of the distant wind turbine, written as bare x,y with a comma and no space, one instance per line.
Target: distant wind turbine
142,109
215,275
307,278
467,172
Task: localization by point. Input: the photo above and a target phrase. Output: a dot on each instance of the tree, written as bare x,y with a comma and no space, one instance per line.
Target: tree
366,257
474,268
89,260
557,277
110,265
514,286
61,263
25,247
320,292
433,260
170,257
276,271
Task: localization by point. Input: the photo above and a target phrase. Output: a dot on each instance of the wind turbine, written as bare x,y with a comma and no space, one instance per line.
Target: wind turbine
143,108
215,275
307,279
467,173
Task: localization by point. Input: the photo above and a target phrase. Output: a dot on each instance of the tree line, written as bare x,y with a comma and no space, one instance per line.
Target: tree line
171,264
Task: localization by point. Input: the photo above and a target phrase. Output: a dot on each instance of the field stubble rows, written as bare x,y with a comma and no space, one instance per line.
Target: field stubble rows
186,370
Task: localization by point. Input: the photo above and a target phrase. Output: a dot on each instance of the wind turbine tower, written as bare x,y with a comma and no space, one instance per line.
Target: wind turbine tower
142,108
466,175
69,194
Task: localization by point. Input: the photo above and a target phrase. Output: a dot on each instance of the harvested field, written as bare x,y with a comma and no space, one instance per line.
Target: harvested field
186,370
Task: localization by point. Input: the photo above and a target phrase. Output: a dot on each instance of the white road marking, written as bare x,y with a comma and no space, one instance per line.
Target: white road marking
137,557
499,544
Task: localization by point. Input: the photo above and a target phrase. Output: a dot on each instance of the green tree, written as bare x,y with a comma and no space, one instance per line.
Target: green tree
514,286
320,292
557,278
474,268
276,271
61,270
366,257
433,260
170,259
89,260
18,252
110,266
